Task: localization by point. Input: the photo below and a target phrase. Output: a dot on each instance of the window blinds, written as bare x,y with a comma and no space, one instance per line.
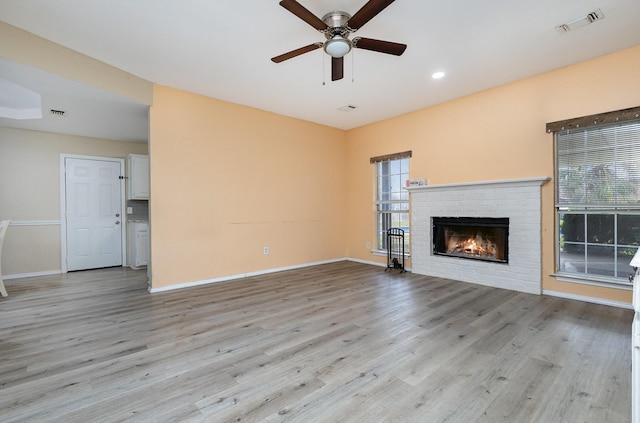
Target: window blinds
599,166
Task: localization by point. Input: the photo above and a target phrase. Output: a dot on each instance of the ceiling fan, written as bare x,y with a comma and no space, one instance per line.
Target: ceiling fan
336,27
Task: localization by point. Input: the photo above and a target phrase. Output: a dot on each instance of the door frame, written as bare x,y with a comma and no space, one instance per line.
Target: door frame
63,206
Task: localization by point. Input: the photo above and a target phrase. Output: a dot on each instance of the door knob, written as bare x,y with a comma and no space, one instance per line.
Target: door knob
117,214
117,222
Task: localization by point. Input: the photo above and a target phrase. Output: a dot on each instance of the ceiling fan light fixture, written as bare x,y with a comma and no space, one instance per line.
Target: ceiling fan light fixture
337,46
336,27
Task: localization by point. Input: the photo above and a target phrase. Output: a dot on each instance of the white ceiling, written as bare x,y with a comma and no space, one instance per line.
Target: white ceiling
88,111
222,48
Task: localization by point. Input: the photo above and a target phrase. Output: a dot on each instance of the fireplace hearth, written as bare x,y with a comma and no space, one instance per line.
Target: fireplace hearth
476,238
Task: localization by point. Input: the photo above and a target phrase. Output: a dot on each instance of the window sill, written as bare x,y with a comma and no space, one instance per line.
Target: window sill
593,280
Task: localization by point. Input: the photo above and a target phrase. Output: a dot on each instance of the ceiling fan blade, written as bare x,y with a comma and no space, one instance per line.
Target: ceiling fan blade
296,52
367,12
337,68
380,46
300,11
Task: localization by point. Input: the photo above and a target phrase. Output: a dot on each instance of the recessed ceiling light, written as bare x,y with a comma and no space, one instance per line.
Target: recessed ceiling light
438,75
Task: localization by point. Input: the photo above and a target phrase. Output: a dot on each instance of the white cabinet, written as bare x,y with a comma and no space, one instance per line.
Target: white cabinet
138,237
635,340
137,177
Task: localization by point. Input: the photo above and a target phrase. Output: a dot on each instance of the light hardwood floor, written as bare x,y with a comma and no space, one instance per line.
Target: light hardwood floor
342,342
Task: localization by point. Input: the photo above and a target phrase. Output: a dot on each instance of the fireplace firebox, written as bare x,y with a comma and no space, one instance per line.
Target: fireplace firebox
477,238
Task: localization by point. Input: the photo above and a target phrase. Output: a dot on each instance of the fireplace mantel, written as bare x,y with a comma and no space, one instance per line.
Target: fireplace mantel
472,185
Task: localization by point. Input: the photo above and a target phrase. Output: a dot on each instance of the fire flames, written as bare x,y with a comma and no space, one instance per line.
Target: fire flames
477,246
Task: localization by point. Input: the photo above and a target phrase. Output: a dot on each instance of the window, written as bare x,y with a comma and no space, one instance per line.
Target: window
598,200
392,201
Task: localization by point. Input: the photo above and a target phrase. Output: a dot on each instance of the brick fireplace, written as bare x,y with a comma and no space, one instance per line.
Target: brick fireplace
517,200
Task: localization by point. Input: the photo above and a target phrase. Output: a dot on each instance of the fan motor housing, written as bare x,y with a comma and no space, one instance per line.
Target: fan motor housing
336,21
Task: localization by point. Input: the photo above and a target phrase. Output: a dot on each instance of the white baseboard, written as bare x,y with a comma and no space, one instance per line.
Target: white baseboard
373,263
588,299
240,276
32,274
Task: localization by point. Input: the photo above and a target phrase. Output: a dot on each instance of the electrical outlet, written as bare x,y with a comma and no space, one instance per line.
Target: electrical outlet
367,245
266,250
129,210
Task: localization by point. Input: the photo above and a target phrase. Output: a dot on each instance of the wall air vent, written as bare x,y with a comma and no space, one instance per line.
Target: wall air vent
574,24
57,112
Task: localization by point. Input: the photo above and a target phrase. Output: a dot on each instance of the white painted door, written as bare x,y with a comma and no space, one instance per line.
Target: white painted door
93,207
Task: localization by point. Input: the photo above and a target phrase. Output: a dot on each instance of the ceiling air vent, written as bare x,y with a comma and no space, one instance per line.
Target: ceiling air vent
57,112
589,18
347,108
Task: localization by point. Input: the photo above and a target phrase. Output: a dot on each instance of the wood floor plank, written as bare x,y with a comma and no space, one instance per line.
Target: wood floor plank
342,342
520,400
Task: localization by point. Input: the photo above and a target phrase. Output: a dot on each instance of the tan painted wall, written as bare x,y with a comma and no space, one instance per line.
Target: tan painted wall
228,180
495,134
30,191
29,49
